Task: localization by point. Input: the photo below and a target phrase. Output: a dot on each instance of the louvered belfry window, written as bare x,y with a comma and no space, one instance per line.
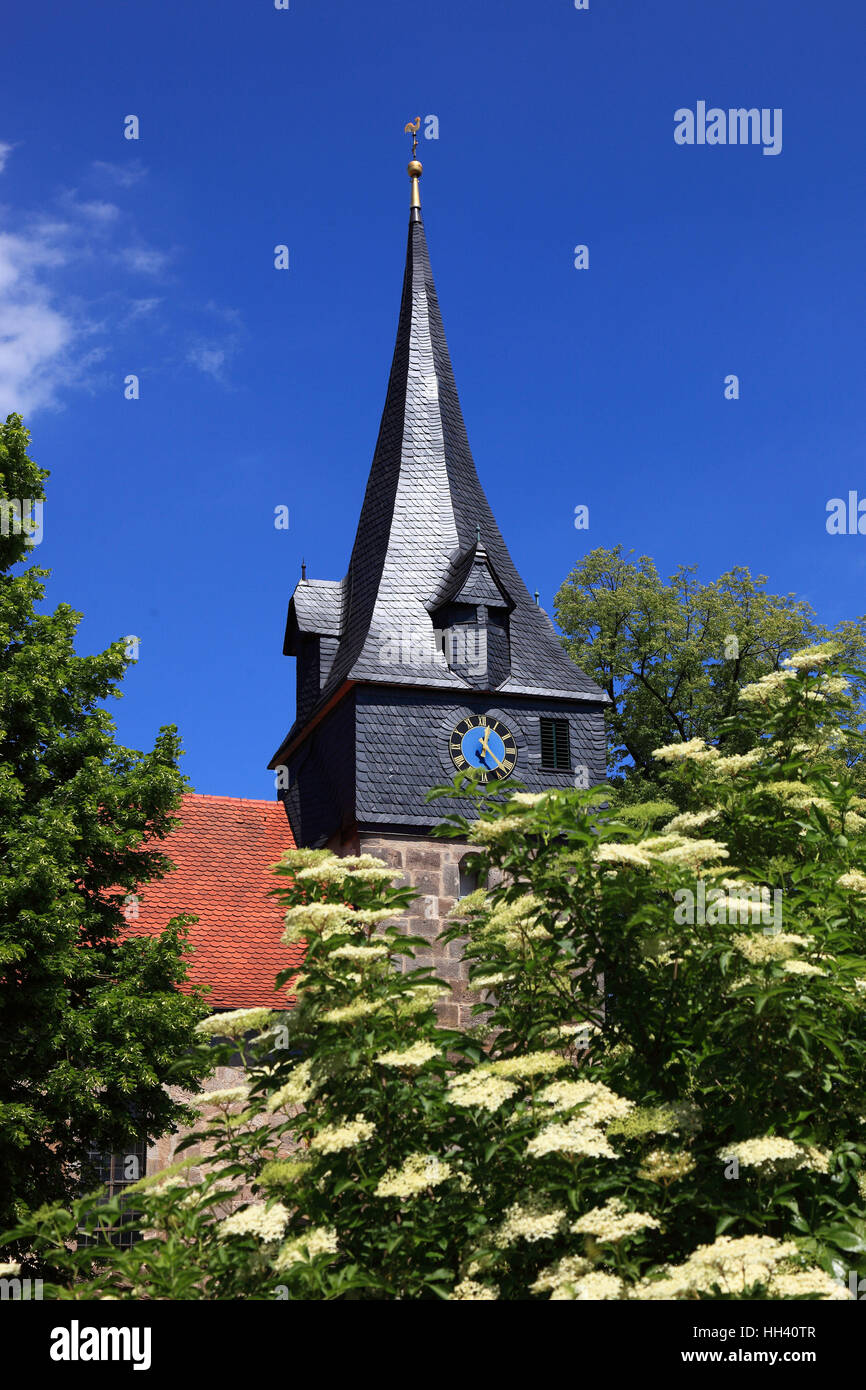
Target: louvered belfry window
555,746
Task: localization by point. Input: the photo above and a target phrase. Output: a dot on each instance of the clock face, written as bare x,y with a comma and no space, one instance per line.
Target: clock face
483,743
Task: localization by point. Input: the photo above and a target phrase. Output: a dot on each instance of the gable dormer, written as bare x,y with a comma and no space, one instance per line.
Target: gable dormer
472,614
313,631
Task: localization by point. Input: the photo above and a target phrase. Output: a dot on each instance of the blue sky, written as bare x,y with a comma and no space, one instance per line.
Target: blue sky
260,387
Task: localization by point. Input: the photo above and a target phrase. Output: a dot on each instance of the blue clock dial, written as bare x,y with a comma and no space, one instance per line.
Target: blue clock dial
482,748
485,744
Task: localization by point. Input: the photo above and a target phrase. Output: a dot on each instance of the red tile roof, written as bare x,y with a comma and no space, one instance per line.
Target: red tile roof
223,850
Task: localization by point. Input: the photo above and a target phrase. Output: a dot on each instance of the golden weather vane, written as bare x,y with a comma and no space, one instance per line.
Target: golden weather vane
412,129
415,167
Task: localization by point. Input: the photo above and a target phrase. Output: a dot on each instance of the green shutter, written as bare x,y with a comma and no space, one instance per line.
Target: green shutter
555,745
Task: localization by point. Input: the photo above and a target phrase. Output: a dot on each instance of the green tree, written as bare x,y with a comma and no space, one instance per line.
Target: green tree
92,1024
674,656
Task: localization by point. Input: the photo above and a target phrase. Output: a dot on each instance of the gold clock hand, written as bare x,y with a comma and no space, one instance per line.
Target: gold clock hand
486,737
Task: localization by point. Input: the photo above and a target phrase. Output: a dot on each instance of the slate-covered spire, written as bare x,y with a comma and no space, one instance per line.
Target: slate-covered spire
424,517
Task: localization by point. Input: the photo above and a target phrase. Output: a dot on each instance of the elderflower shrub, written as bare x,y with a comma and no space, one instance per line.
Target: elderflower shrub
418,1174
573,1144
266,1223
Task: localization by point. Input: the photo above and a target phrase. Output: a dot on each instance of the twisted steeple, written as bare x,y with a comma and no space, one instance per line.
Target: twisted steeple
426,539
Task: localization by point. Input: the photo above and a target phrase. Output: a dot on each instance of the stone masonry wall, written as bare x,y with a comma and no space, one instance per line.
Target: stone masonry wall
432,868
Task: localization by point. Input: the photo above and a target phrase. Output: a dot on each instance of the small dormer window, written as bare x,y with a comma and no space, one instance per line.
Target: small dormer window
474,622
555,745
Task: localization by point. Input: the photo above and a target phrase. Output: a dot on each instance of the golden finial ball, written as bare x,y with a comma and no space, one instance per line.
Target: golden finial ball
415,168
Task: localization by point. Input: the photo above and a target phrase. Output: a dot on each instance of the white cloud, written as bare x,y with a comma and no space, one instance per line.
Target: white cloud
5,151
145,260
140,308
95,210
34,333
125,175
210,358
213,351
59,311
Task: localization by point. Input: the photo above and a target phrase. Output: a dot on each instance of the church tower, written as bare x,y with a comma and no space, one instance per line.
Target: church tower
430,655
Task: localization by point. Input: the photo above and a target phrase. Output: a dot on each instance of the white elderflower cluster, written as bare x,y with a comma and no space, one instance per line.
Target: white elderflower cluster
532,1223
801,1283
613,1222
690,820
411,1058
577,1032
230,1095
234,1023
733,763
758,948
350,1013
577,1137
694,853
10,1269
309,919
797,796
565,1271
296,1090
481,1089
327,870
361,955
297,859
515,921
333,1139
480,984
765,688
470,1291
530,798
819,1159
336,870
487,832
266,1223
801,967
694,750
598,1102
591,1288
742,906
418,999
380,877
475,901
613,853
655,844
835,685
772,1152
661,1166
853,880
358,863
418,1173
734,1264
530,1064
318,1240
808,657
